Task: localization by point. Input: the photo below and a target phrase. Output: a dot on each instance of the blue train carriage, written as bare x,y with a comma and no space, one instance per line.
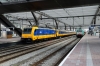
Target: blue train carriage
71,32
34,33
63,33
80,33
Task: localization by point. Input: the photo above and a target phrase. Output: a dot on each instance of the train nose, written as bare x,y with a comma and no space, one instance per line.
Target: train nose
26,36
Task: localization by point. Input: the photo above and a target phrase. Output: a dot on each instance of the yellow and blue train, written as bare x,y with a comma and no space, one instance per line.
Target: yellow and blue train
35,34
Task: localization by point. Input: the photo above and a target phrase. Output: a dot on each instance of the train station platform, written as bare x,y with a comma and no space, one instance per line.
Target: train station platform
5,40
85,53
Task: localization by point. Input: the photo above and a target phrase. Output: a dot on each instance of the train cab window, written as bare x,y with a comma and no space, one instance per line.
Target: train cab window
27,30
79,30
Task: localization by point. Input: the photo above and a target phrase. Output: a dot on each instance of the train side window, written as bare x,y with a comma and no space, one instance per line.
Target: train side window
36,31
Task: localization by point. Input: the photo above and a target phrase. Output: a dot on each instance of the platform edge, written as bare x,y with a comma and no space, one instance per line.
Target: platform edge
69,53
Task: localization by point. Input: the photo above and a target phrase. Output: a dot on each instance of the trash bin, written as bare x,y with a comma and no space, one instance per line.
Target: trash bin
9,34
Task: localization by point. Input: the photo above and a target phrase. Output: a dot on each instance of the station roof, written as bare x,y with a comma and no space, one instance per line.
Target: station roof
69,16
12,6
78,11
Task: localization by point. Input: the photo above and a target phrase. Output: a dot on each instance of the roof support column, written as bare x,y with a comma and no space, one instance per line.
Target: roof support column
73,23
70,28
0,29
83,20
56,24
35,18
22,24
95,20
65,26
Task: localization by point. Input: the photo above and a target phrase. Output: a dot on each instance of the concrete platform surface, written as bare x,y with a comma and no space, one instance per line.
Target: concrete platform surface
5,40
85,53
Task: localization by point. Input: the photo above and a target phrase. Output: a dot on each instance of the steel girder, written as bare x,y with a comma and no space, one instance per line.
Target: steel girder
7,23
74,16
56,24
46,15
96,14
35,18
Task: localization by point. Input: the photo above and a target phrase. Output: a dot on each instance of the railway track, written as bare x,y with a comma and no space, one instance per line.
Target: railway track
9,53
20,48
39,57
20,45
54,58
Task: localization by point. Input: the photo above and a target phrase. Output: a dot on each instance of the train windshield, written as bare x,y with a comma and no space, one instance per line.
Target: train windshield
79,30
27,30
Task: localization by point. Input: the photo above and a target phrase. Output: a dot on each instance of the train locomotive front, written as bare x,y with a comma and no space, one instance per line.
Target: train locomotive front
36,34
80,33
